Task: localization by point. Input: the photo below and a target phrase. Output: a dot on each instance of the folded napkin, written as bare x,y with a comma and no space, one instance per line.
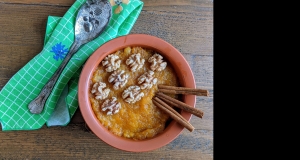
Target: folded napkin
26,84
62,114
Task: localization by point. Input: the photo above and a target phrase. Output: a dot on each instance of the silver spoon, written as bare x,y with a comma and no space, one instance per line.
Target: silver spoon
91,20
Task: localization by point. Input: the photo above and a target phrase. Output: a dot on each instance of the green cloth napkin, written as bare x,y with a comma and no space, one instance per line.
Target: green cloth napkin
62,114
26,84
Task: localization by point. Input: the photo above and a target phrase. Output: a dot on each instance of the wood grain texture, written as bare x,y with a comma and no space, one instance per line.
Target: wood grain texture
75,141
186,24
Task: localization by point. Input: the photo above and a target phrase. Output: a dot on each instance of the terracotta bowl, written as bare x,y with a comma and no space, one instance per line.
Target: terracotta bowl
174,57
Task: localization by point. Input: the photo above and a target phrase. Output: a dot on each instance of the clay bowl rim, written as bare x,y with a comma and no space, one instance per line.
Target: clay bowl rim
175,58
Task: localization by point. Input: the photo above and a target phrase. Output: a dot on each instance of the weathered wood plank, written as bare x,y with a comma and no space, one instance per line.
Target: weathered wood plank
75,141
188,39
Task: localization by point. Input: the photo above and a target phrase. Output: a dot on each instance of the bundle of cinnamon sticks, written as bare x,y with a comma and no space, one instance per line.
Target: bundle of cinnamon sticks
164,101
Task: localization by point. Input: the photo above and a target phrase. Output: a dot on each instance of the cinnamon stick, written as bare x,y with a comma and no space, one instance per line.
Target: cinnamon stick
174,111
182,90
180,104
173,114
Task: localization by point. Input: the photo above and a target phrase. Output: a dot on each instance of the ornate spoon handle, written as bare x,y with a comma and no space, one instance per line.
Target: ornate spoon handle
37,105
91,20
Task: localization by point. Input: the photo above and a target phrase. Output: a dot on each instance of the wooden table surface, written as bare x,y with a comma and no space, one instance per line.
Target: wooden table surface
186,24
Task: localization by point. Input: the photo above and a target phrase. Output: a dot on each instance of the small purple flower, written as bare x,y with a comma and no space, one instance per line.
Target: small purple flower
59,51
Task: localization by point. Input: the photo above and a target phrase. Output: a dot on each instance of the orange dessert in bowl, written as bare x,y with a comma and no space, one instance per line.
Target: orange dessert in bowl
122,89
117,85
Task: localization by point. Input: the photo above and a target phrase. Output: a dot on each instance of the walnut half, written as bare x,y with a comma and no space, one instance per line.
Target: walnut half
135,62
157,64
98,91
111,105
147,80
111,62
118,78
132,94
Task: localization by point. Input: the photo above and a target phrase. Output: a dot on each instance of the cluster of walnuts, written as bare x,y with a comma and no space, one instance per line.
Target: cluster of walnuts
119,79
